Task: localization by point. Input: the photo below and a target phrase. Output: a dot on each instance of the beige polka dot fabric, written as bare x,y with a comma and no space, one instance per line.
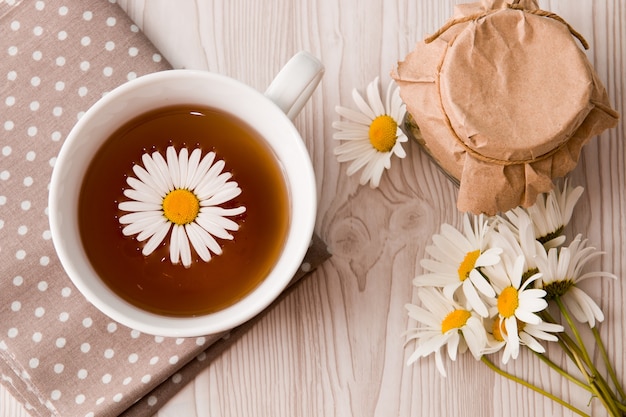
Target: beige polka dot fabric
59,355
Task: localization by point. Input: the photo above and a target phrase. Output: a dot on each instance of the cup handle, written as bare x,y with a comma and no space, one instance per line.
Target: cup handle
295,83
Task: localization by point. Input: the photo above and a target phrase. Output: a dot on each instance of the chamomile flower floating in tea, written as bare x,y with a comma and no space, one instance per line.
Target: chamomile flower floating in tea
183,193
372,134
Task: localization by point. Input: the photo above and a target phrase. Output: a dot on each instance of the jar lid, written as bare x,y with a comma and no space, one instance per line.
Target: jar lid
504,99
524,95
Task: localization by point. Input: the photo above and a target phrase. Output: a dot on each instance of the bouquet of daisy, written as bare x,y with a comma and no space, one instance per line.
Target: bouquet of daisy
510,282
502,283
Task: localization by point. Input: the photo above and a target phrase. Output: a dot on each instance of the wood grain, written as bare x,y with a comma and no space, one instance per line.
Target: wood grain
334,347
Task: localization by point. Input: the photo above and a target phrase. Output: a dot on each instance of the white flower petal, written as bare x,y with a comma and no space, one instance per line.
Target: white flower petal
183,167
138,206
588,311
140,196
201,170
398,108
354,116
475,336
156,239
213,182
373,97
433,280
216,225
225,194
360,162
527,317
398,150
353,149
195,237
439,364
185,249
155,174
474,299
175,244
179,246
152,195
192,168
140,215
535,332
512,336
173,167
362,105
151,228
481,283
347,126
489,257
372,172
531,342
351,135
391,88
160,165
136,227
146,178
453,343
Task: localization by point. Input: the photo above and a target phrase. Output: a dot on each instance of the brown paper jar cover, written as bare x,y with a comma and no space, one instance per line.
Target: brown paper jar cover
503,98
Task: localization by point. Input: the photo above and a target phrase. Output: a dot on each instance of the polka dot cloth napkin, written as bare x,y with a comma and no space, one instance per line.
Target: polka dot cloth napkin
60,356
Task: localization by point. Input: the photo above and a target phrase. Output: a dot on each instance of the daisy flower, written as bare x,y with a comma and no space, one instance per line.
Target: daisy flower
550,214
561,274
516,304
457,259
444,323
372,134
184,194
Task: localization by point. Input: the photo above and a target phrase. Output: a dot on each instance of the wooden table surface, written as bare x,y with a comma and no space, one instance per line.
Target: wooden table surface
335,345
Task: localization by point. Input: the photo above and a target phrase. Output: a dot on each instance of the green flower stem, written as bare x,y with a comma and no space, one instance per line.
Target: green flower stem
607,362
572,326
562,372
566,343
595,380
528,385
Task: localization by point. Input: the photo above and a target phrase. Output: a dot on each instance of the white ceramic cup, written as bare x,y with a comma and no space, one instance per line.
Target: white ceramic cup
270,114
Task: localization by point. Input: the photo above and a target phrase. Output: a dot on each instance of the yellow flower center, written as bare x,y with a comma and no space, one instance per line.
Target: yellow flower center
181,206
455,320
468,264
382,133
508,302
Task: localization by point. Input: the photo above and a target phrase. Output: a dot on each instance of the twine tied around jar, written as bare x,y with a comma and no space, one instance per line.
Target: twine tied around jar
515,6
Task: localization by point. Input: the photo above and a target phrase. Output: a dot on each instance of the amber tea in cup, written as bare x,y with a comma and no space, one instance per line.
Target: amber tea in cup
153,282
183,202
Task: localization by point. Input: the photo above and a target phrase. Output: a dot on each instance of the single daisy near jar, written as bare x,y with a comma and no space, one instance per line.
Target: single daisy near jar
182,194
371,135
